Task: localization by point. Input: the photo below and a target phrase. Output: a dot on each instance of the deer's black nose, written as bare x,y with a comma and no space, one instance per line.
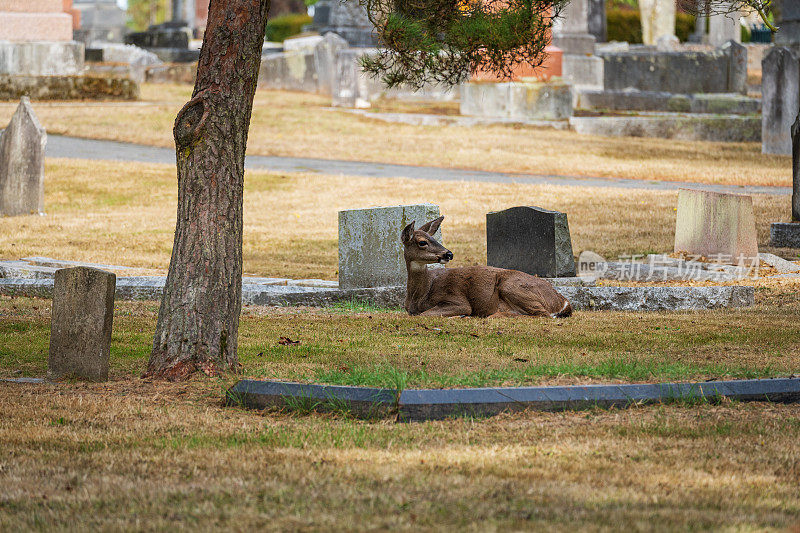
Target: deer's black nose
448,255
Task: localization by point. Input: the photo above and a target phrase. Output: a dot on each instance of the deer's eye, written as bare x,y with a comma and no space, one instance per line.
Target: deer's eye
423,243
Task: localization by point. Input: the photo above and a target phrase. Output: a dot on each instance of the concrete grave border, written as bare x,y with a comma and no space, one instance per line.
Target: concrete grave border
605,298
413,405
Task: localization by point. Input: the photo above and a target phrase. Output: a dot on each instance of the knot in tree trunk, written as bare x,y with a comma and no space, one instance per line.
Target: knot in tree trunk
190,121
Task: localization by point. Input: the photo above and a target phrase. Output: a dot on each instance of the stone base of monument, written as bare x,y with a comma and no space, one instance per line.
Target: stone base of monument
68,88
521,100
686,127
41,58
630,100
785,235
582,297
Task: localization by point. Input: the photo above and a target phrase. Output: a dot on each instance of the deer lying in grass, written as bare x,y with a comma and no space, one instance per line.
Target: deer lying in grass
470,291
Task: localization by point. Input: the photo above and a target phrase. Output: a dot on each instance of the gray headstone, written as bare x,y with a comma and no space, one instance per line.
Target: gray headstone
597,20
325,60
780,99
788,21
348,19
22,163
80,330
737,69
370,251
722,28
571,31
530,239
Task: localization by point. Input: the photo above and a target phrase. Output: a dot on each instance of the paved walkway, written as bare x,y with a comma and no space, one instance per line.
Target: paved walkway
73,147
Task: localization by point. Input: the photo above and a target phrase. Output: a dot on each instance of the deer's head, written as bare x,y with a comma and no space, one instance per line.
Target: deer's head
421,247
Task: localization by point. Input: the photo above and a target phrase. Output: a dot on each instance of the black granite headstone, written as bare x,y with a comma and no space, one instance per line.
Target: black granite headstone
530,239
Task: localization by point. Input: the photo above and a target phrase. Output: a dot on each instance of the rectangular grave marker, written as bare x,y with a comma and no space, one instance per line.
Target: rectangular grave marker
80,329
716,225
370,251
531,240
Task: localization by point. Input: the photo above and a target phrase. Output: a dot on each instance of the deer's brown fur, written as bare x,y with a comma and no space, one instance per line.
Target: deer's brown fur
470,291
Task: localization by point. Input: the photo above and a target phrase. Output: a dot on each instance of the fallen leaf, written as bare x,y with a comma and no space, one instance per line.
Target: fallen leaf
521,360
286,341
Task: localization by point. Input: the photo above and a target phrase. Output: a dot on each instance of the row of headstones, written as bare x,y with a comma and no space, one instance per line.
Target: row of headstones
535,240
22,146
529,239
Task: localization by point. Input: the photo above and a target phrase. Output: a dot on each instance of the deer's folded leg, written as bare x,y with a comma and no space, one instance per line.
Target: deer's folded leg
449,310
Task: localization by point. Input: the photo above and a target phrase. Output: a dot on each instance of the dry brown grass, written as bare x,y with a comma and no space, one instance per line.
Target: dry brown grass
123,213
145,457
297,124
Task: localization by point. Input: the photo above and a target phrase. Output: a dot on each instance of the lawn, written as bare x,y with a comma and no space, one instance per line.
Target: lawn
377,347
131,454
304,125
98,212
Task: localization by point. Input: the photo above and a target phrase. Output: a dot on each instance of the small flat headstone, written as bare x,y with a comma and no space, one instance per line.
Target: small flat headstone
22,163
80,330
715,225
370,251
531,240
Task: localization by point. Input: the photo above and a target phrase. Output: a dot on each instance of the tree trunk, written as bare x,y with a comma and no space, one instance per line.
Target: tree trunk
199,316
796,169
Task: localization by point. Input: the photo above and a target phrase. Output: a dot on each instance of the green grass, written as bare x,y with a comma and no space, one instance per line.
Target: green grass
361,345
628,369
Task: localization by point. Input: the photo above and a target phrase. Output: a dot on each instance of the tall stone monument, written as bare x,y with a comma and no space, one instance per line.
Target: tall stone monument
788,20
22,146
36,39
571,34
724,27
571,29
658,19
348,19
101,21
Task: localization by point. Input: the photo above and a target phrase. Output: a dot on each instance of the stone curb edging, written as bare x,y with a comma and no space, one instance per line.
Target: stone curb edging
412,405
669,298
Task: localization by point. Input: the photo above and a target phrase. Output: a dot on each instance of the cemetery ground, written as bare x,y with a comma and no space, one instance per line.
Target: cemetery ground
136,454
304,125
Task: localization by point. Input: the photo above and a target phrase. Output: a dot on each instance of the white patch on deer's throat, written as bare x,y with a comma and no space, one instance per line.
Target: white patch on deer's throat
417,266
443,261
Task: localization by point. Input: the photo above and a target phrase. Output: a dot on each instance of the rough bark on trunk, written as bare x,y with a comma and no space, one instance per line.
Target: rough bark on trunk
198,320
796,169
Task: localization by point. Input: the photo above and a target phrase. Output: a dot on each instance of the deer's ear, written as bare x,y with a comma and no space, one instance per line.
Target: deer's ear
433,226
408,232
